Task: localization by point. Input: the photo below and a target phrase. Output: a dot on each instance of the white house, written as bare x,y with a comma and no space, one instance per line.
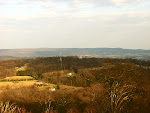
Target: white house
52,89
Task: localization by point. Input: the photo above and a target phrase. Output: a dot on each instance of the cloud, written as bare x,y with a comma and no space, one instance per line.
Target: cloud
48,5
97,3
2,2
123,3
76,3
97,20
131,17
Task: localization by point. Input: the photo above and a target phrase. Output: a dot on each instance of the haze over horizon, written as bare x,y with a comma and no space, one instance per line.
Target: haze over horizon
72,48
75,24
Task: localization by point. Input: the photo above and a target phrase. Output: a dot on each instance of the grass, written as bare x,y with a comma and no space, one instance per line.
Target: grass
15,85
60,86
25,81
23,68
20,77
17,78
46,87
19,83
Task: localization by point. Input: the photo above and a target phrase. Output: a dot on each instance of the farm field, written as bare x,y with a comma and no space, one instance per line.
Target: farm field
61,87
18,83
21,77
15,85
17,78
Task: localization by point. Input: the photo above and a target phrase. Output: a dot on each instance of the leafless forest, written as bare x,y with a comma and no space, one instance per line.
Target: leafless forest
75,85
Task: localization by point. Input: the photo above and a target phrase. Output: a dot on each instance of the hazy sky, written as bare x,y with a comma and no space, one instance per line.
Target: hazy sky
74,23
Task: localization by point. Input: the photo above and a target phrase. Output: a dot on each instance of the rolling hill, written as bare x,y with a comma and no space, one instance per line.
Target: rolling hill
82,52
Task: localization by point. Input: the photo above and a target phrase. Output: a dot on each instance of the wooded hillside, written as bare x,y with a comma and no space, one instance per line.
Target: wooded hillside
108,85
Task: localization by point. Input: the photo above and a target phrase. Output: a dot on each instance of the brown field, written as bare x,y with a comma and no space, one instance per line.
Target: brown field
19,84
19,78
15,85
61,87
23,68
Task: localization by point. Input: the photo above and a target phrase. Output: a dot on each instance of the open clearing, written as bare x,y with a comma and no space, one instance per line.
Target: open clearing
15,85
20,77
19,84
61,87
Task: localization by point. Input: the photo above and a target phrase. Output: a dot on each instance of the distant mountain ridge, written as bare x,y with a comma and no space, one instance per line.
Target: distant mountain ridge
86,52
